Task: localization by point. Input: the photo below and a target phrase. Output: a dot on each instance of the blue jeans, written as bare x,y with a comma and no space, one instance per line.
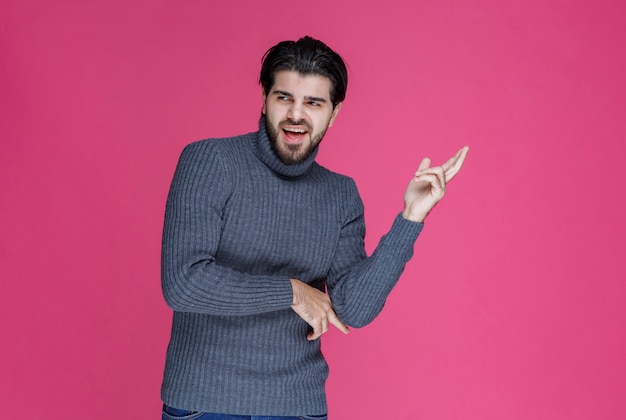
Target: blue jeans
171,413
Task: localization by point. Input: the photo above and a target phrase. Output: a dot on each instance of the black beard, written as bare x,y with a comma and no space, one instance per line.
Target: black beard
295,153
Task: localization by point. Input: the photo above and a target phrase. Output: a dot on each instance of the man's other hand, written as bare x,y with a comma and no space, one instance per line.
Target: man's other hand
315,308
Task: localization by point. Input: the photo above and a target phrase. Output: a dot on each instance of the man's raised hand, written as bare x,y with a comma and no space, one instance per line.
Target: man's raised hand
428,186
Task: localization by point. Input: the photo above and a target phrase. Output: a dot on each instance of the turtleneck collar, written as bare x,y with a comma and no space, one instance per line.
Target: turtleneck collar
263,150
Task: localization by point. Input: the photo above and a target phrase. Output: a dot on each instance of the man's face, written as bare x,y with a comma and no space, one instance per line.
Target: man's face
298,111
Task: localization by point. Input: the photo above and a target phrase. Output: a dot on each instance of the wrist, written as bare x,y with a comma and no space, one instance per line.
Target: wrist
295,287
413,217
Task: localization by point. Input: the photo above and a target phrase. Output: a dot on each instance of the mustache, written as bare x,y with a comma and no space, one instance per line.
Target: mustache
295,123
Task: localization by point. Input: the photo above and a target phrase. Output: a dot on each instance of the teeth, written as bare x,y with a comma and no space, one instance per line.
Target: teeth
295,130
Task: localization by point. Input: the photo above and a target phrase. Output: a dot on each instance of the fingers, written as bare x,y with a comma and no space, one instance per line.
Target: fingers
424,164
436,177
428,186
315,308
322,326
318,329
448,170
337,323
454,164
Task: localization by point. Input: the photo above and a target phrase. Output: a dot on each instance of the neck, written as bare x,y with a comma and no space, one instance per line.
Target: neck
264,151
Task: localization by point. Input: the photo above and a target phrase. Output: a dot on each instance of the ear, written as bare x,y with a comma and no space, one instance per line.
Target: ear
334,114
264,96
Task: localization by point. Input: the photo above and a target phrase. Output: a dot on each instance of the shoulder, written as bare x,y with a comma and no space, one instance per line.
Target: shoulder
210,157
338,181
225,145
209,165
216,151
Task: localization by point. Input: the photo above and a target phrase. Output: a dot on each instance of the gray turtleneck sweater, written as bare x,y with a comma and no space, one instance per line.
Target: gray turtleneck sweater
238,225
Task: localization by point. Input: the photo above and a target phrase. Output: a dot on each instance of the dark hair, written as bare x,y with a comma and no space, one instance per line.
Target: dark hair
307,56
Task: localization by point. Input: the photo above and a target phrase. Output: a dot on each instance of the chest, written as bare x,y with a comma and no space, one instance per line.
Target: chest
277,226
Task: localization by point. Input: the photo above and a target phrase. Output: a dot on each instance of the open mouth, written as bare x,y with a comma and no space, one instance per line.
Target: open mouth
294,134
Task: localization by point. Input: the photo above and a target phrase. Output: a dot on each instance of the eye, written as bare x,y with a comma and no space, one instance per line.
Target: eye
314,103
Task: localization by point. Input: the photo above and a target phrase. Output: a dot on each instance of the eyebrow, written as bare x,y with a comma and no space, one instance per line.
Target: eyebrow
306,98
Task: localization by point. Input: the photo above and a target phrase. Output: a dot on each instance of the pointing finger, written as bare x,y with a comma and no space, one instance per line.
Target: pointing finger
337,323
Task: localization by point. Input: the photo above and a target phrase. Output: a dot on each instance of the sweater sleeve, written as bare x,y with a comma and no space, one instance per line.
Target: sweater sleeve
358,285
192,279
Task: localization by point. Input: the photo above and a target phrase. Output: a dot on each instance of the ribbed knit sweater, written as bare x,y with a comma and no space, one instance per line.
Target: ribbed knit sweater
238,225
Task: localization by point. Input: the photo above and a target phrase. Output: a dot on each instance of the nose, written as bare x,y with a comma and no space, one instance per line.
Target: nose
295,112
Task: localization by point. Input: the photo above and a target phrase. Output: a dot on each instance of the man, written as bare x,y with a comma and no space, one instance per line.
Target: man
255,231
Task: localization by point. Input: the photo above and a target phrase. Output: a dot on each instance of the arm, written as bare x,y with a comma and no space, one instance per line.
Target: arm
359,285
192,279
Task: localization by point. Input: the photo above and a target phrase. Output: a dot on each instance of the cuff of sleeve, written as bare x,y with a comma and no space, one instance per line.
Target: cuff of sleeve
402,237
407,227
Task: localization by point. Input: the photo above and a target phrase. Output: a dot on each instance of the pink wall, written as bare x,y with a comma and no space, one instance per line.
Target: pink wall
515,304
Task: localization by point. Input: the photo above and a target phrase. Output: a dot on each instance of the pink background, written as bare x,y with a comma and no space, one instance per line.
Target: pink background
514,306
